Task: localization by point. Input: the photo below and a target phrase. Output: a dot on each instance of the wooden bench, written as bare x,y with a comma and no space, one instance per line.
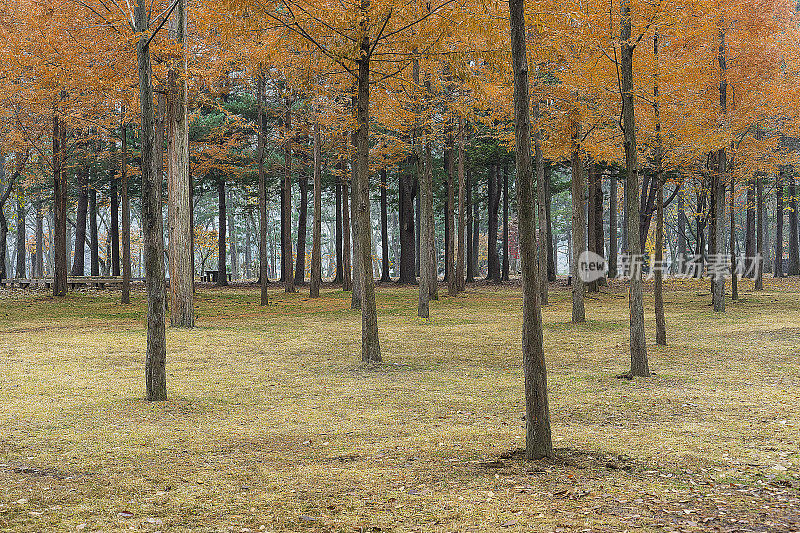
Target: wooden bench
73,282
213,275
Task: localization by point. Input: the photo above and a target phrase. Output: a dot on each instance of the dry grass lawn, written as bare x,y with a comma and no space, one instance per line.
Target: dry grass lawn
272,425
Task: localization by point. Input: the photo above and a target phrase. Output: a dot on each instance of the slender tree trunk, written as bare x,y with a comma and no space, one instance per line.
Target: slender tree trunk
427,273
612,225
639,364
462,207
79,259
22,235
794,246
262,191
355,296
114,198
538,442
682,224
552,260
589,207
179,194
222,235
506,267
734,280
338,227
233,243
470,226
347,280
719,194
406,188
750,226
599,233
370,345
578,228
493,206
450,243
759,283
287,259
542,247
4,195
126,219
59,208
385,277
155,361
94,245
302,232
658,267
476,225
38,266
417,220
316,237
779,224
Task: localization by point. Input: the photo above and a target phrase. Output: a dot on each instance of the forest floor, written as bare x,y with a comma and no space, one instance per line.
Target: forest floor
273,425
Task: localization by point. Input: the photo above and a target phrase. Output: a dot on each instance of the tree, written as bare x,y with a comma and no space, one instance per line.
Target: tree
538,442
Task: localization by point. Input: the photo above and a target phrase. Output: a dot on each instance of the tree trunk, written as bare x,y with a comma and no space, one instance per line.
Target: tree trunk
450,243
682,224
591,224
552,260
779,224
470,225
355,295
126,219
316,237
406,188
79,259
38,266
493,206
59,208
658,266
347,279
734,276
338,227
302,232
476,225
262,191
542,247
794,246
750,227
385,277
4,195
370,345
114,198
578,228
22,235
427,273
599,233
612,225
286,255
462,207
538,442
639,365
179,193
759,283
719,195
155,361
222,221
94,245
233,243
506,266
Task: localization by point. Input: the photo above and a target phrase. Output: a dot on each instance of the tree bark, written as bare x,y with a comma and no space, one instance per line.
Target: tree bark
578,227
734,276
406,189
428,274
222,221
38,266
719,193
476,225
114,198
794,247
155,361
370,344
302,232
658,284
506,266
94,245
450,243
612,225
385,277
759,283
347,279
4,195
538,442
355,295
552,260
78,262
126,219
470,225
462,207
493,206
779,224
542,246
262,191
286,255
639,364
338,227
316,237
59,208
22,235
179,193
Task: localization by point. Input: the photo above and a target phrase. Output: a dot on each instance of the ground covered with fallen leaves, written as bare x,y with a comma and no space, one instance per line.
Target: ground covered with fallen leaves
273,425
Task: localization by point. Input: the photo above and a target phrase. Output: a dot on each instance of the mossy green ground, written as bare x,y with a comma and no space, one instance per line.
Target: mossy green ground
272,424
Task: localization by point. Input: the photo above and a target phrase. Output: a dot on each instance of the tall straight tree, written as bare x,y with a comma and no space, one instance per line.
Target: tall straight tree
639,364
384,227
222,232
462,208
262,190
541,204
179,194
286,252
155,360
578,226
793,265
658,289
778,263
718,287
538,441
126,217
316,238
